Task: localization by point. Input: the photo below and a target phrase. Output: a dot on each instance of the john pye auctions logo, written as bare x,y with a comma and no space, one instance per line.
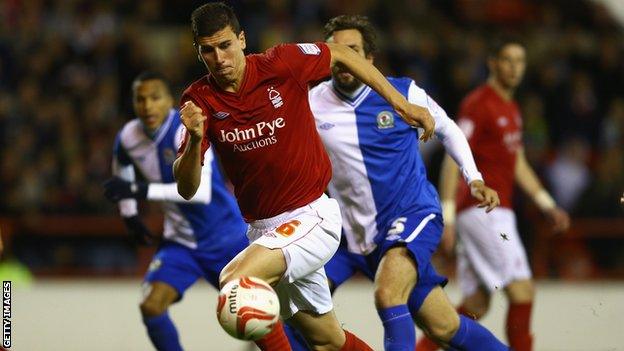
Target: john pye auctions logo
259,130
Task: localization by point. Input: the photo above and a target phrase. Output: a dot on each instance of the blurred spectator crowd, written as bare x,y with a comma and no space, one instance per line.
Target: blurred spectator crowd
66,67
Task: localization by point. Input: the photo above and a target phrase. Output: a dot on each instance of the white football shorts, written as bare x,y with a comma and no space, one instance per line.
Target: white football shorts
308,236
490,252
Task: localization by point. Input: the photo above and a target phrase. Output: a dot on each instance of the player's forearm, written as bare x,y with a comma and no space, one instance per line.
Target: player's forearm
169,192
457,147
530,183
187,169
365,72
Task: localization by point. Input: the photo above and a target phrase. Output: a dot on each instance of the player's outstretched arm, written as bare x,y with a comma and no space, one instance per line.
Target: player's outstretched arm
187,167
369,75
531,185
449,177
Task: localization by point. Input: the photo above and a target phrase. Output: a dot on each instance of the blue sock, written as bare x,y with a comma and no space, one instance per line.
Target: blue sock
473,336
163,333
296,340
399,332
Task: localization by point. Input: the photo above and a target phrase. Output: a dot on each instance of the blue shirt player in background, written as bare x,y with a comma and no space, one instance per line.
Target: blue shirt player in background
391,213
200,235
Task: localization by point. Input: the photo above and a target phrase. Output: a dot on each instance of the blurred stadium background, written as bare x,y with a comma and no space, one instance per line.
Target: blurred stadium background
65,73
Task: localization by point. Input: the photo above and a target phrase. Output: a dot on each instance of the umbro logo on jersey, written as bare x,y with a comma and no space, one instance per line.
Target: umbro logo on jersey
327,126
220,115
309,49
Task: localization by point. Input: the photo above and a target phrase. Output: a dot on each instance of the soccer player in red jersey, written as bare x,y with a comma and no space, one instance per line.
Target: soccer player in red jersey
254,110
491,255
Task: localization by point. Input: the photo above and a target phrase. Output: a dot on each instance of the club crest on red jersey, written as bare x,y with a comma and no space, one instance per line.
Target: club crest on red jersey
275,97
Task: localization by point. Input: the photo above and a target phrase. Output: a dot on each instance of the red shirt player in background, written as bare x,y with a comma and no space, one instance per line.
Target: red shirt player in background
254,110
491,255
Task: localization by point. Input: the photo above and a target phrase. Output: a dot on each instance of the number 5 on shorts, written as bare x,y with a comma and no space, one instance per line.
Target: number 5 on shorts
287,229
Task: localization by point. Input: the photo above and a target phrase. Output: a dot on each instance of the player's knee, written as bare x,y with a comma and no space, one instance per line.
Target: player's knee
152,307
386,296
228,273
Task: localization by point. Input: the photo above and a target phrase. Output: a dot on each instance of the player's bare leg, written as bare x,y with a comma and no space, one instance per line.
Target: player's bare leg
520,294
394,280
438,318
268,265
158,299
449,329
255,261
163,334
520,291
475,305
322,332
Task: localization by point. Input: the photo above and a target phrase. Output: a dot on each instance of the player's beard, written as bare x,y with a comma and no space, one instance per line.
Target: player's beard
347,84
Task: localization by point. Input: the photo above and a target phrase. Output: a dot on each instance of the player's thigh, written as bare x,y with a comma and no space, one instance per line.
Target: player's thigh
395,277
438,316
255,261
321,331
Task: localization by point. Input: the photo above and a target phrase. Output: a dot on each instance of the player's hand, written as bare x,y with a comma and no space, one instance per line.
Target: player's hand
193,119
559,219
138,231
486,196
116,189
418,116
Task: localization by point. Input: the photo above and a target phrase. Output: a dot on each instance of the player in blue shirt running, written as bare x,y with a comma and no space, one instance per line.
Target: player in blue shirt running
391,213
200,236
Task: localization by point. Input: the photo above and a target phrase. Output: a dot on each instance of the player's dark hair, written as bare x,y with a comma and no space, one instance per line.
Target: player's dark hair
151,75
211,18
358,22
498,43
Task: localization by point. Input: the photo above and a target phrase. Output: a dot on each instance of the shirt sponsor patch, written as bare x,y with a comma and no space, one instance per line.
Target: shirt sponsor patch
309,49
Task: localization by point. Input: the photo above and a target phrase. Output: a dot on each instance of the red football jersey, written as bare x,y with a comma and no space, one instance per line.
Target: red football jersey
493,127
265,133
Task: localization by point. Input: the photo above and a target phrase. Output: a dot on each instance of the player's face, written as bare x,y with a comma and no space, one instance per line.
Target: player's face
152,102
353,39
509,66
223,55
